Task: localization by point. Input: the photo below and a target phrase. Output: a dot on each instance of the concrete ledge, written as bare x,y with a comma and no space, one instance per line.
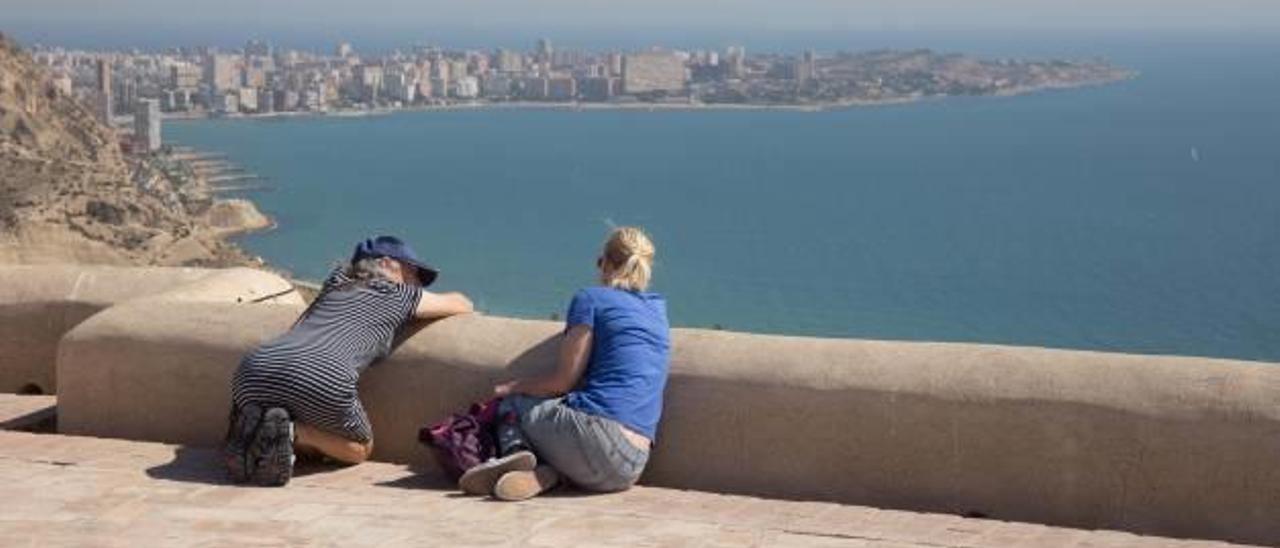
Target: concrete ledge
38,304
1172,446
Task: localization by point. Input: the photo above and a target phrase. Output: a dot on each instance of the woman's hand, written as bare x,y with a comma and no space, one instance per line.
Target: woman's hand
575,351
505,389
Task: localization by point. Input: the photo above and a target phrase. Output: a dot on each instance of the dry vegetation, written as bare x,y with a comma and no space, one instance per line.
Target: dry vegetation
69,194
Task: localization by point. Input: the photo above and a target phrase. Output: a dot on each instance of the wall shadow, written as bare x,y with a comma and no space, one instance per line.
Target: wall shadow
539,359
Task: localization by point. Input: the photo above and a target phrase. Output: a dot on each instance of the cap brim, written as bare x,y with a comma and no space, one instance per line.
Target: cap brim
426,274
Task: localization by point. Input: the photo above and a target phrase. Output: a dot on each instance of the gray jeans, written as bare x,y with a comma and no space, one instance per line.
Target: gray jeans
587,449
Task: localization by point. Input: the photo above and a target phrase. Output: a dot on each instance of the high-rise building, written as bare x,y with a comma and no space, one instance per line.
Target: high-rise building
400,85
509,61
496,86
535,88
184,76
653,72
266,101
424,88
286,100
736,58
615,64
810,64
248,99
803,69
315,98
226,102
221,72
168,101
595,70
125,93
104,76
343,49
175,100
598,89
568,58
440,68
439,87
467,87
369,78
562,89
477,64
457,68
104,91
544,50
146,124
253,77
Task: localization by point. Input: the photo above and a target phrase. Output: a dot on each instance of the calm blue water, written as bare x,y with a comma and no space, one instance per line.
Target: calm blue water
1073,219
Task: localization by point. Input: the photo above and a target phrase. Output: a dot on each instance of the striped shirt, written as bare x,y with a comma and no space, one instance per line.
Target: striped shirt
312,369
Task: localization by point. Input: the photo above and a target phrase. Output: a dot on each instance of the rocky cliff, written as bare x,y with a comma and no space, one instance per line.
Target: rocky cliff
69,193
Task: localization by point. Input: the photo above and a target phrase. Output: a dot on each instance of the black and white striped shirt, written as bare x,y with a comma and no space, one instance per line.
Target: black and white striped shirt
312,370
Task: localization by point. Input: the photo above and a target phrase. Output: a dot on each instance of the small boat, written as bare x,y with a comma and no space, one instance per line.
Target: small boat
1195,154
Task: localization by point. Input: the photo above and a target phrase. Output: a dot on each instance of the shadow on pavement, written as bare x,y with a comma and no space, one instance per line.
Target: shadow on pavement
204,465
192,465
422,477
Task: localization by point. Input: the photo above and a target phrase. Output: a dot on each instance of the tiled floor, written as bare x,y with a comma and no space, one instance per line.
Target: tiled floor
74,491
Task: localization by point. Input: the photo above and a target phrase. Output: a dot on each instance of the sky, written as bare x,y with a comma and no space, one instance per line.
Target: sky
384,24
736,14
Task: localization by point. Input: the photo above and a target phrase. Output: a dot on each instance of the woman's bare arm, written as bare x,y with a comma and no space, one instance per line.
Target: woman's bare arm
575,350
441,305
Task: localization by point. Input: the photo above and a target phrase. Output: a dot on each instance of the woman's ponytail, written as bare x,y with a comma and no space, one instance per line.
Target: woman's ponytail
629,256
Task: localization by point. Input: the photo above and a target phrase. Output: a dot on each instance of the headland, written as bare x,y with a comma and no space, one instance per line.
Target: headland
73,189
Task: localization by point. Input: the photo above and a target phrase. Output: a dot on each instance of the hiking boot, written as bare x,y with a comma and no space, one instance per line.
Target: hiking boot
526,484
271,452
240,433
480,479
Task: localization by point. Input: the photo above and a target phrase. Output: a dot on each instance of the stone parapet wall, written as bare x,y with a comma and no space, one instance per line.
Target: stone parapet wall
38,304
1164,445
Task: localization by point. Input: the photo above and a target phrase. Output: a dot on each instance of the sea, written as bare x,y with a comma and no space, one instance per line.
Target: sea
1142,216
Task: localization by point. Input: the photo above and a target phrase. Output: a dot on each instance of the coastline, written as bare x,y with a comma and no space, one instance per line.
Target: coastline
689,106
224,217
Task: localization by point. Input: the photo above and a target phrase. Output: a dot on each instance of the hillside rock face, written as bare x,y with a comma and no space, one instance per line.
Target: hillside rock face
68,193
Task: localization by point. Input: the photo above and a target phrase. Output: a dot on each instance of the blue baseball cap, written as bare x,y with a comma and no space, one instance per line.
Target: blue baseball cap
395,248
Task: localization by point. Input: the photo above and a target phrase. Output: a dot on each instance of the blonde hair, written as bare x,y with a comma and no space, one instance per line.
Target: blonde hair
628,259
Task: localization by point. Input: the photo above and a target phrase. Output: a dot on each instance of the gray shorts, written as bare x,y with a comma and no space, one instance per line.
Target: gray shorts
588,450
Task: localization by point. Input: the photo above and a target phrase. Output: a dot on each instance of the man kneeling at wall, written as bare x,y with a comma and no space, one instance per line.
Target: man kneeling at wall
615,352
299,390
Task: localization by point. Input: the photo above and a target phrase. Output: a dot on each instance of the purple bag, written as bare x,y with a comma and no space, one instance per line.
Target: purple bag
463,440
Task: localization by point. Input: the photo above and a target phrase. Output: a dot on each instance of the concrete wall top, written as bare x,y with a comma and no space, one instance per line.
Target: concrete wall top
102,285
1175,446
1154,385
38,304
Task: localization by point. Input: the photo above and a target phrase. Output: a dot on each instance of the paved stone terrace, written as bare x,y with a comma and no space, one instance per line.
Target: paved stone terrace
75,491
26,412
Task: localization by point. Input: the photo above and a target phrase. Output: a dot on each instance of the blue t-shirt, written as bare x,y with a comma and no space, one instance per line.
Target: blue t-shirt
630,347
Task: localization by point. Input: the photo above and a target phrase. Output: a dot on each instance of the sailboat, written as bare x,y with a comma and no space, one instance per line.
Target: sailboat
1195,154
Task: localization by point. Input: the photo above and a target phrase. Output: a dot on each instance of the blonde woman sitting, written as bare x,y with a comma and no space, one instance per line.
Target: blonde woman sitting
591,421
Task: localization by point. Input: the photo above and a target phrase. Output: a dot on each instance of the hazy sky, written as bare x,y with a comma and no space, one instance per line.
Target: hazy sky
735,14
